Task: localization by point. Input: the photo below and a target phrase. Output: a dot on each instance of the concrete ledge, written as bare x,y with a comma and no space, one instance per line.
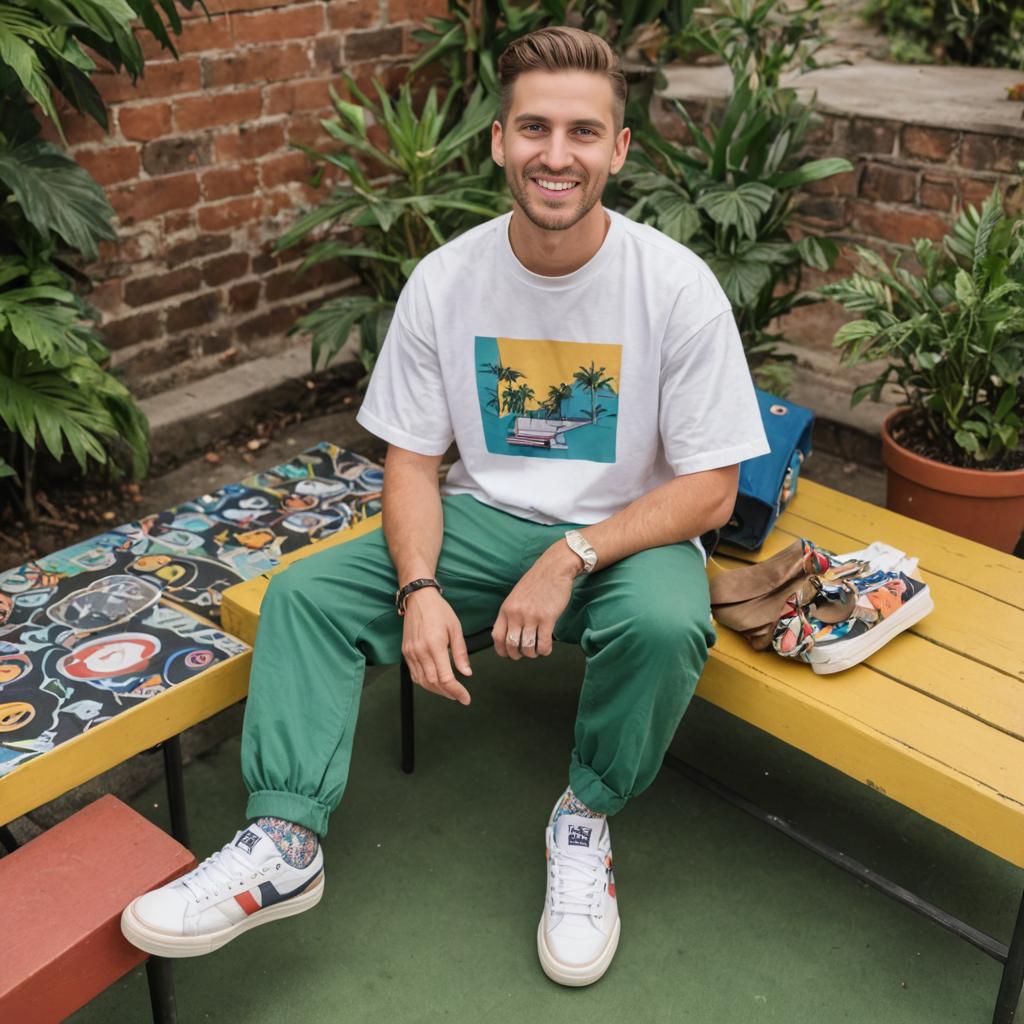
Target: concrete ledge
966,99
191,417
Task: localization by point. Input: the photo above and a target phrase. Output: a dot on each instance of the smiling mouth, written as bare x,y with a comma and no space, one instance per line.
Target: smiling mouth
554,187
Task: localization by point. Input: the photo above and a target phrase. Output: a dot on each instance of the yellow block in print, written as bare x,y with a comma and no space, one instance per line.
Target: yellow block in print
549,399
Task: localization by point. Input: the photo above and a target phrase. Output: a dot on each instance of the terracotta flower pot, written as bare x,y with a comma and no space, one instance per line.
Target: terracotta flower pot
980,504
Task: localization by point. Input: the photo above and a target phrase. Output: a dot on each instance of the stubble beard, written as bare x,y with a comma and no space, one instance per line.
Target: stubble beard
520,192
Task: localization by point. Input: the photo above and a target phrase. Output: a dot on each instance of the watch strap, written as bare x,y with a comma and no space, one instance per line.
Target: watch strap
411,588
582,547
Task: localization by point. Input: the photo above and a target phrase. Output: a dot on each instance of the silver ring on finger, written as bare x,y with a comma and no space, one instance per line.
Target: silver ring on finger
528,641
512,640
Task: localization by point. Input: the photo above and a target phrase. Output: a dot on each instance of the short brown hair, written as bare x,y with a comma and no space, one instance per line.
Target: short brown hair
560,48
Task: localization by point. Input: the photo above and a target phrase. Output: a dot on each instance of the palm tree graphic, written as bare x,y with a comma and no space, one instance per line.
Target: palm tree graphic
516,399
504,375
594,381
557,394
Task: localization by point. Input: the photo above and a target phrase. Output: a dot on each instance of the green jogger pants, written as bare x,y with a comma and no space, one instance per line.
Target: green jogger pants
644,625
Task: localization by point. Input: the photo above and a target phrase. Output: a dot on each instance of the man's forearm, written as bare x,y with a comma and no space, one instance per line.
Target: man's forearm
413,520
677,510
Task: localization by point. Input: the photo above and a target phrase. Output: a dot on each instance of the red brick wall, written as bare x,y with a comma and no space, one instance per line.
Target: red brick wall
198,165
908,181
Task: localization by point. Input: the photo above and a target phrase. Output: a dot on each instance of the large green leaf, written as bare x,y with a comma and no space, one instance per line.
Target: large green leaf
741,207
815,170
53,330
57,195
331,324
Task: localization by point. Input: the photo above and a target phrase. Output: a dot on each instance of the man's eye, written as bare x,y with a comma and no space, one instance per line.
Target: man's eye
587,130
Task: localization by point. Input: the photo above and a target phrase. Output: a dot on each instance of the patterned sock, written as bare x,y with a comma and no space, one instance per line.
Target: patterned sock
571,804
296,844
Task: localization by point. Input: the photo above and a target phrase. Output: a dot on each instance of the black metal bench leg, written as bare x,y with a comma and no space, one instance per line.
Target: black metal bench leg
176,790
161,990
1013,974
408,722
7,840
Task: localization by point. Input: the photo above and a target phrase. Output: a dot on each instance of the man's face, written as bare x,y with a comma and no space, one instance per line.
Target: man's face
559,145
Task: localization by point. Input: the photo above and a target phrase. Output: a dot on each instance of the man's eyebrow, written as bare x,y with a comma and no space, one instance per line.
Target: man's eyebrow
583,122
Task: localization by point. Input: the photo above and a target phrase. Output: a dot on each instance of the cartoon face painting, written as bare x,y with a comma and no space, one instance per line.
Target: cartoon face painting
107,658
13,666
105,603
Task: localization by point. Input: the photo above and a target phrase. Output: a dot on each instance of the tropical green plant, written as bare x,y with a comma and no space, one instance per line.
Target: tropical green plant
730,196
760,39
55,393
950,336
988,32
468,41
53,388
382,227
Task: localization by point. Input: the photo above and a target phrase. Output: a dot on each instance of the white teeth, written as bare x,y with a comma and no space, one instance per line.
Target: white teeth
557,186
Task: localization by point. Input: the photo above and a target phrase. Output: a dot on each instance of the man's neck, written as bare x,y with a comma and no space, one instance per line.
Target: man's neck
556,253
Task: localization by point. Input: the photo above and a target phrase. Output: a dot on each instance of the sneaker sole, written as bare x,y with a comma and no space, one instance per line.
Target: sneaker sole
158,943
913,611
573,975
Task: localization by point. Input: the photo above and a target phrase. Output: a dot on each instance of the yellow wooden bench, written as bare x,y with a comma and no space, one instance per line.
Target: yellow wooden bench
935,720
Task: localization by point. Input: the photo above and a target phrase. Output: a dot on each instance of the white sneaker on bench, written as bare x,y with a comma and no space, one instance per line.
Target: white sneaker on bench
579,929
245,884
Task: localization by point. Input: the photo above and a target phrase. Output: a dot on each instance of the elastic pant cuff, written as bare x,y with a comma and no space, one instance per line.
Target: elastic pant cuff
588,787
300,810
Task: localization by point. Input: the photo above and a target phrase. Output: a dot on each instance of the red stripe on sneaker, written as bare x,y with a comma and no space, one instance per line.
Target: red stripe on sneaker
247,903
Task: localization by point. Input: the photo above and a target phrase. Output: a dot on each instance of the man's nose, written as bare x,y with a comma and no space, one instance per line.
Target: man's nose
556,154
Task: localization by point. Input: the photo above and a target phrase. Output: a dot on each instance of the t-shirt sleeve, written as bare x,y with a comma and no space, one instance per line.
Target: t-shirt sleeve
405,401
708,414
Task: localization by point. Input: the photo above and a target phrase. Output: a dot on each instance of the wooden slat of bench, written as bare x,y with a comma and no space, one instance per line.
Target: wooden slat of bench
993,698
974,565
860,694
916,750
975,624
154,720
240,608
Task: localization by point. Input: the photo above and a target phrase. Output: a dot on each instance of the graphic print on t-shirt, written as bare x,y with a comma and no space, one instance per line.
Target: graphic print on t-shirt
549,399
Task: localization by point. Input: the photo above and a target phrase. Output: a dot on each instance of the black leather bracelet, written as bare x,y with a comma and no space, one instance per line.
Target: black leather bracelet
411,588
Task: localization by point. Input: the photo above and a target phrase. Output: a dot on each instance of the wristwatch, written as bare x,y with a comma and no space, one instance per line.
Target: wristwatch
411,588
582,547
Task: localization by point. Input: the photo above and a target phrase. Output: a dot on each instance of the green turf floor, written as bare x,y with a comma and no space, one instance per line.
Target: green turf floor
435,885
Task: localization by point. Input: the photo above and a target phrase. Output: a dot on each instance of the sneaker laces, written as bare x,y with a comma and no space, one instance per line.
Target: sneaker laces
577,882
220,870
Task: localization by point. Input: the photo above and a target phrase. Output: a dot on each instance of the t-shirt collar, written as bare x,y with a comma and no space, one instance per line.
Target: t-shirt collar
578,276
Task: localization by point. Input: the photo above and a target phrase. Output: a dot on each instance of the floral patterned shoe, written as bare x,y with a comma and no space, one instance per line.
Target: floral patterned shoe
854,612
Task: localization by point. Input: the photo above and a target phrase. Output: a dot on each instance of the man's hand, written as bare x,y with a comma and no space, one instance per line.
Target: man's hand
432,628
528,615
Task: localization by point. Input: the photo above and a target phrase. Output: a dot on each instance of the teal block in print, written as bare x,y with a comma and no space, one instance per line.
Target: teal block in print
548,399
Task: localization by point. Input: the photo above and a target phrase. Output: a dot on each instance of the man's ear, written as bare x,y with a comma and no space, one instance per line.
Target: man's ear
497,144
620,151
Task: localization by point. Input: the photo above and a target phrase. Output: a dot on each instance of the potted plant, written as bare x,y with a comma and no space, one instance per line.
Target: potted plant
951,336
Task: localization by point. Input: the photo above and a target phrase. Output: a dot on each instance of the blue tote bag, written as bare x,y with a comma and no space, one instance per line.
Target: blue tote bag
768,483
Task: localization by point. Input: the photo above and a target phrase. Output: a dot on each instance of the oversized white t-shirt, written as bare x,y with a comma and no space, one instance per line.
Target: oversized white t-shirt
568,397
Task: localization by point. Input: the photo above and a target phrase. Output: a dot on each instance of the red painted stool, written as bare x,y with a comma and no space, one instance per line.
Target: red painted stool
62,896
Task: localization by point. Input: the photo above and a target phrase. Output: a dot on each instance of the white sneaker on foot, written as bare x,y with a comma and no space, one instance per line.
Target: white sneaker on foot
245,884
579,930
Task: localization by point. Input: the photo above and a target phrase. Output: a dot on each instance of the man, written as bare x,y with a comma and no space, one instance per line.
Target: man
590,371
